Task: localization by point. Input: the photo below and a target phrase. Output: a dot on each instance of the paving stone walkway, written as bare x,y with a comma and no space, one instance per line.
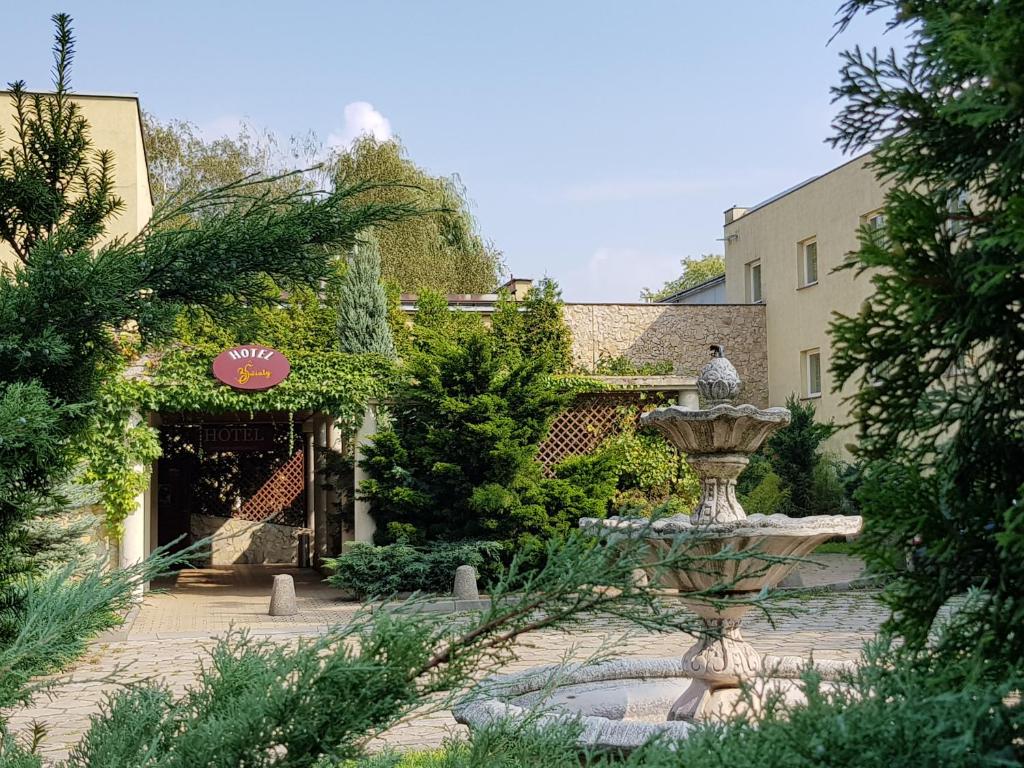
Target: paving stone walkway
173,631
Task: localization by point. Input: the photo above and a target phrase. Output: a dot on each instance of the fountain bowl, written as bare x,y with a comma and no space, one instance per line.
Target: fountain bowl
776,536
621,704
724,428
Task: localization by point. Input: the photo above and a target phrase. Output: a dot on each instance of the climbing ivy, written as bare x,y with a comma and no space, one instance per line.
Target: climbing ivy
118,453
333,382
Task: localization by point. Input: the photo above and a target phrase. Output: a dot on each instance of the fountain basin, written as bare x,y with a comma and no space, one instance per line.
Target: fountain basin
624,703
720,429
772,535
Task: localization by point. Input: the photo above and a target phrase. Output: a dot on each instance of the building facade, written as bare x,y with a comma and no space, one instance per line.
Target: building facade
115,124
709,292
784,253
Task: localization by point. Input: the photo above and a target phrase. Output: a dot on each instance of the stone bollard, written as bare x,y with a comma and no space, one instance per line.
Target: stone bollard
465,583
282,596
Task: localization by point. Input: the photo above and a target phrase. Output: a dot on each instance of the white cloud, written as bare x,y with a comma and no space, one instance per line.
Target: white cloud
361,118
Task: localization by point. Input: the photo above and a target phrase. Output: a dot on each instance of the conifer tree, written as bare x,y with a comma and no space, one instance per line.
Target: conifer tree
363,304
937,349
73,298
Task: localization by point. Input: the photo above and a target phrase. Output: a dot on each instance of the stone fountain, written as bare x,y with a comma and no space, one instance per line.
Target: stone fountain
624,702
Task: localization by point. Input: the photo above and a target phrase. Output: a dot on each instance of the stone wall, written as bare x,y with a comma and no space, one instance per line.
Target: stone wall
243,541
680,333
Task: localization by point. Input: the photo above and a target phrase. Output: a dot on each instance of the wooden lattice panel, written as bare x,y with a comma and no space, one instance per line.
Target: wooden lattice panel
279,494
592,418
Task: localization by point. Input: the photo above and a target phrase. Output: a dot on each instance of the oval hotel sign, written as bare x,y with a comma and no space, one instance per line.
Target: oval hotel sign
251,367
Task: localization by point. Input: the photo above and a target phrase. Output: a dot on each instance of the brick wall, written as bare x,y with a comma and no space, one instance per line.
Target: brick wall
680,333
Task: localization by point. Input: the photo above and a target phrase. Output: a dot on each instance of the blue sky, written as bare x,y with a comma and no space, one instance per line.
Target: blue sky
599,141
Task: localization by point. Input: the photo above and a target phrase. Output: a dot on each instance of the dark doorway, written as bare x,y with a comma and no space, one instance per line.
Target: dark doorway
242,469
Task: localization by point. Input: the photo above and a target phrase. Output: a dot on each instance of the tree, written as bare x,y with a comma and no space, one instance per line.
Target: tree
535,328
363,304
182,163
73,302
794,453
695,272
936,352
459,460
439,250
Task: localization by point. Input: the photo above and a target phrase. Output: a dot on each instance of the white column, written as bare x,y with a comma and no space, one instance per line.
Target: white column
309,459
132,548
364,524
689,398
336,441
320,511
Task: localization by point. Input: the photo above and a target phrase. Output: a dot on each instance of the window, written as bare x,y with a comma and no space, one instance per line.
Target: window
874,223
754,295
812,373
808,262
959,207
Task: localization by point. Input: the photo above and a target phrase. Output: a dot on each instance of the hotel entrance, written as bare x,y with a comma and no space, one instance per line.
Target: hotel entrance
253,483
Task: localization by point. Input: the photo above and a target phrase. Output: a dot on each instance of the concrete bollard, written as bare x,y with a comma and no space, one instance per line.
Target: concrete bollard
282,596
465,583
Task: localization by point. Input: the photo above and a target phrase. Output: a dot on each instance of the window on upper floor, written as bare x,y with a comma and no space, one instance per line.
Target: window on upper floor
810,364
753,281
959,207
808,266
875,224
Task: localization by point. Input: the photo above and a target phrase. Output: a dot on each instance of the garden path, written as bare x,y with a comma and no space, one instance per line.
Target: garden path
168,638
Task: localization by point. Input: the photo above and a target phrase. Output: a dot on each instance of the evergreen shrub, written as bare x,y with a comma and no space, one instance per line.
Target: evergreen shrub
366,570
459,459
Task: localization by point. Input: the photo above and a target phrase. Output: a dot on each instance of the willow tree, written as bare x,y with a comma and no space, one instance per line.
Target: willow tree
938,349
439,250
75,298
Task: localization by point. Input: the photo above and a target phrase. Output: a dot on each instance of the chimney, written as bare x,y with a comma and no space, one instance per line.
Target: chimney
518,287
731,214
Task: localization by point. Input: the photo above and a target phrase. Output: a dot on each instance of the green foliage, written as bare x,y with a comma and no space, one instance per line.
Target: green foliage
117,452
71,299
544,334
459,460
363,305
51,154
897,710
623,366
934,356
366,570
768,497
648,463
634,472
58,613
758,467
791,474
333,382
182,163
794,452
439,249
535,327
434,319
695,272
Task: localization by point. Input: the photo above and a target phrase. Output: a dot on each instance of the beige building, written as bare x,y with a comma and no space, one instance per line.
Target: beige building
784,253
115,124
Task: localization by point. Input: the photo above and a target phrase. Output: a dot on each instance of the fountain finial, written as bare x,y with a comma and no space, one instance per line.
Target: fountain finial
718,382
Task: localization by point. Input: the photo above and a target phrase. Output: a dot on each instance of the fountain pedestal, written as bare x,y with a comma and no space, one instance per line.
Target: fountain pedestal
721,655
